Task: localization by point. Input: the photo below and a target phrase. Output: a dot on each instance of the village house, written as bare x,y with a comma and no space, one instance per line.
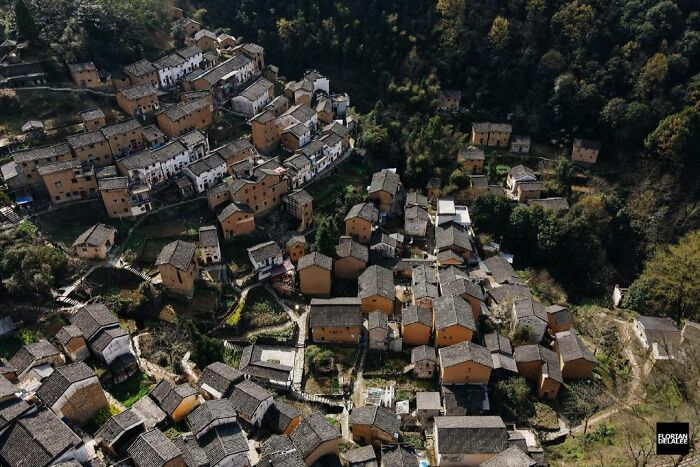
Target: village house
299,92
172,157
465,289
463,363
183,117
265,257
92,119
361,457
558,319
520,144
299,167
282,418
73,343
68,181
253,98
541,365
266,134
40,436
500,272
176,401
513,456
95,242
189,26
469,440
315,437
251,402
261,363
206,172
386,191
449,100
479,184
416,221
278,451
174,66
218,379
351,258
314,272
142,168
465,399
138,100
525,191
119,432
574,357
585,151
262,192
376,290
336,320
27,161
178,268
378,330
423,293
85,75
453,239
416,325
491,134
472,159
206,40
299,204
209,415
296,136
140,72
296,248
223,80
225,41
236,151
454,321
553,204
122,198
424,361
374,425
360,221
398,454
124,137
530,316
35,360
324,110
209,250
154,449
73,392
501,355
658,335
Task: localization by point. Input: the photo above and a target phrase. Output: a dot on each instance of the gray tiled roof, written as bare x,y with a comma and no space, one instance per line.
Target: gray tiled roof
301,112
537,353
424,290
97,235
232,208
224,441
140,68
208,236
366,211
247,397
413,314
30,353
465,399
501,270
461,286
262,251
120,128
450,274
520,173
153,449
43,152
104,337
315,259
380,417
452,235
376,280
471,154
555,204
254,366
183,109
113,183
189,51
66,333
62,378
451,310
206,164
385,180
225,68
481,434
311,432
138,91
399,455
301,197
299,161
572,348
93,317
11,409
92,114
529,307
588,144
360,455
220,377
59,166
280,415
139,160
511,457
208,413
350,248
423,352
6,388
170,397
192,453
78,67
257,89
509,292
83,139
335,312
169,151
278,451
464,352
234,147
377,319
496,342
169,61
414,198
178,253
117,425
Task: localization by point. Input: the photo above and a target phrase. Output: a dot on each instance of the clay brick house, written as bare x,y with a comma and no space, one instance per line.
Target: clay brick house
124,137
296,248
223,80
423,294
299,204
463,363
218,379
282,418
472,159
361,457
178,268
337,320
449,100
154,449
314,271
531,315
558,319
500,271
262,192
416,325
85,75
93,119
526,191
520,144
27,161
467,290
251,402
374,425
140,72
424,360
176,401
469,439
501,355
68,181
266,134
491,134
453,238
378,330
315,437
95,242
236,219
225,41
351,258
209,249
73,343
138,100
542,366
73,392
206,40
585,151
33,360
574,357
360,221
376,290
454,322
183,117
656,334
236,151
386,192
124,199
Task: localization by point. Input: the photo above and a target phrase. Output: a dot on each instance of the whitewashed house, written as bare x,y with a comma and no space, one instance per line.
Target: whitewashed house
264,257
173,157
320,82
253,98
206,172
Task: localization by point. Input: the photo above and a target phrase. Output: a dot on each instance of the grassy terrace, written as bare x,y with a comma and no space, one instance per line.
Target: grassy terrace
257,310
326,190
131,390
64,224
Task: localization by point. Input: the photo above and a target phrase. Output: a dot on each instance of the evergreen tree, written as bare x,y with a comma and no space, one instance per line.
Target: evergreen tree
26,27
